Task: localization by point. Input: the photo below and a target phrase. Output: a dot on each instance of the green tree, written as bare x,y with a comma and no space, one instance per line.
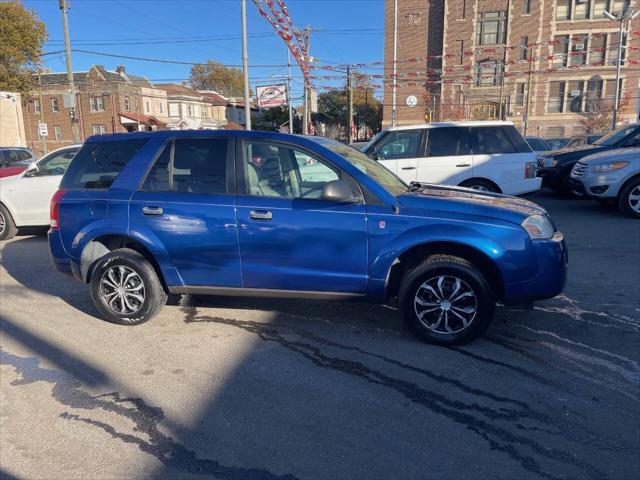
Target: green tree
366,107
22,36
215,76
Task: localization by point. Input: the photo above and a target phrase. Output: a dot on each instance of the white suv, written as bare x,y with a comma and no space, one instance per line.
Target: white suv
484,155
25,198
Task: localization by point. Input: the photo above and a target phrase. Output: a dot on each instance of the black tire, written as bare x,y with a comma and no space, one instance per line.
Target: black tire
625,198
127,261
481,185
470,278
8,227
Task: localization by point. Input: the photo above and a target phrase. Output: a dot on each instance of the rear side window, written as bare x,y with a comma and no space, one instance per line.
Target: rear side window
492,140
98,164
447,142
198,166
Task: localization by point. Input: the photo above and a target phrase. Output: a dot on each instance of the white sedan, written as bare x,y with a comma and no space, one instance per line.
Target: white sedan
25,198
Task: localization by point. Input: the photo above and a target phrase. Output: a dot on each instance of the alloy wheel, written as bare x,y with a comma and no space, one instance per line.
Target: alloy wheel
3,223
122,290
634,199
445,304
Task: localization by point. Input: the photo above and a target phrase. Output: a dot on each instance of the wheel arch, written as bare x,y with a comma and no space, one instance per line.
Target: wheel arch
632,178
484,179
418,253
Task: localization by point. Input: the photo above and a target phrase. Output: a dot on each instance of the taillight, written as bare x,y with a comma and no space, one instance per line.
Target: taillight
55,208
530,170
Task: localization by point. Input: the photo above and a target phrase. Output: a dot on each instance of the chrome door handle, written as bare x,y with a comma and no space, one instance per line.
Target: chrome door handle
408,168
462,165
260,215
152,211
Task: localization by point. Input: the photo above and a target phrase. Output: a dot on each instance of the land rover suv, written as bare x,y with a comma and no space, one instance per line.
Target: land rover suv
140,216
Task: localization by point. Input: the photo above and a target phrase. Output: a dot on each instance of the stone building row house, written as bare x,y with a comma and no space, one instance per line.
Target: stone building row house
470,59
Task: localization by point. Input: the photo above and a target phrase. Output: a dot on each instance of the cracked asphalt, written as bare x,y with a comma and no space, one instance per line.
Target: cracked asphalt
242,389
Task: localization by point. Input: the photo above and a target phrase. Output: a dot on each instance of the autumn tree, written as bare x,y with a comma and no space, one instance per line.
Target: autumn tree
600,115
22,36
215,76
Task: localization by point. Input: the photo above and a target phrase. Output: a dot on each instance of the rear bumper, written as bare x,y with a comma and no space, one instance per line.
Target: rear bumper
552,258
522,187
61,261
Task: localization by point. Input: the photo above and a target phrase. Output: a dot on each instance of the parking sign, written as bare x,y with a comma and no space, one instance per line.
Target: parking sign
43,130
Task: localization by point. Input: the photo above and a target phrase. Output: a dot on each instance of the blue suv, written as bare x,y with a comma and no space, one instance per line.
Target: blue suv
140,216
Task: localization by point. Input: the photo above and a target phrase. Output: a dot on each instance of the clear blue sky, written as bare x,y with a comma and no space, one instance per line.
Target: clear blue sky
350,31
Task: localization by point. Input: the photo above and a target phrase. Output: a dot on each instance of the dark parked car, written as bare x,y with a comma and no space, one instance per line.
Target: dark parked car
537,144
555,167
142,215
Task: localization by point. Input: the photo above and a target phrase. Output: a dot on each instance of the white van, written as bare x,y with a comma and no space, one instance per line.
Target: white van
484,155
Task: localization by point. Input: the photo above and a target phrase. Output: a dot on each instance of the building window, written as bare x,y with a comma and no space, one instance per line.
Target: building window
581,9
618,6
492,28
556,97
190,110
488,73
599,7
127,104
610,89
57,131
99,129
560,50
598,49
579,49
160,109
563,10
575,96
460,48
526,7
147,106
36,106
96,104
593,95
614,44
464,9
520,94
555,132
54,104
523,51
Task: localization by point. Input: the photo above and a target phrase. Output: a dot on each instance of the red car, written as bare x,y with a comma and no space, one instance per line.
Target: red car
14,160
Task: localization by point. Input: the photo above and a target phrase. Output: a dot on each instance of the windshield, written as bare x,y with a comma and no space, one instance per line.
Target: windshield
537,144
615,137
384,177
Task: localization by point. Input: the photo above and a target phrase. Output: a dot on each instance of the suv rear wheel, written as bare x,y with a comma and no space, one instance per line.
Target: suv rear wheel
446,300
8,228
125,288
629,199
480,185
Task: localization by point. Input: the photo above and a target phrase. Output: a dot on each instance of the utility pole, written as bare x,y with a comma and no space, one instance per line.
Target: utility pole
350,107
394,93
366,112
528,106
75,131
289,91
305,110
245,65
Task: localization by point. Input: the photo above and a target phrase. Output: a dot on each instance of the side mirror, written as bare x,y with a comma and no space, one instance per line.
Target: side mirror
338,191
32,170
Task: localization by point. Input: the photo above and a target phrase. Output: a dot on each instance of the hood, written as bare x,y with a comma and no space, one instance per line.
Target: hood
471,202
575,153
617,154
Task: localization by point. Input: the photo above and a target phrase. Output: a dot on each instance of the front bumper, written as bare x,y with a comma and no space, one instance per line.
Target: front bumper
602,185
552,263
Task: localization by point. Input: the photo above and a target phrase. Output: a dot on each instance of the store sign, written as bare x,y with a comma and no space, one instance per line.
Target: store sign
272,96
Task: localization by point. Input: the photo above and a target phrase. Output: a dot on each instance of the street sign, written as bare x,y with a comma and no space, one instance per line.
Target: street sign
69,100
43,130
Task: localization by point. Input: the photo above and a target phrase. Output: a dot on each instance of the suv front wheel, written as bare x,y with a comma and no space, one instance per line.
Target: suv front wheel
446,300
125,288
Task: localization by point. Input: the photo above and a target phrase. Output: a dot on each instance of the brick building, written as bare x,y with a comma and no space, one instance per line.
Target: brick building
485,50
106,102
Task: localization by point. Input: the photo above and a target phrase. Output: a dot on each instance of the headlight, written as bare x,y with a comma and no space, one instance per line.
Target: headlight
549,162
538,227
609,167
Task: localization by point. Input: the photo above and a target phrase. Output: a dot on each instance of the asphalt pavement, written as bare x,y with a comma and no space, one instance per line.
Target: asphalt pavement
242,389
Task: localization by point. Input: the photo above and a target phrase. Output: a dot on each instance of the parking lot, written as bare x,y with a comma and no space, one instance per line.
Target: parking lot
239,389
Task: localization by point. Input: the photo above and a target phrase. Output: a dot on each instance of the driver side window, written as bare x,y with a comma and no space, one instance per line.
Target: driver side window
276,170
56,165
400,144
